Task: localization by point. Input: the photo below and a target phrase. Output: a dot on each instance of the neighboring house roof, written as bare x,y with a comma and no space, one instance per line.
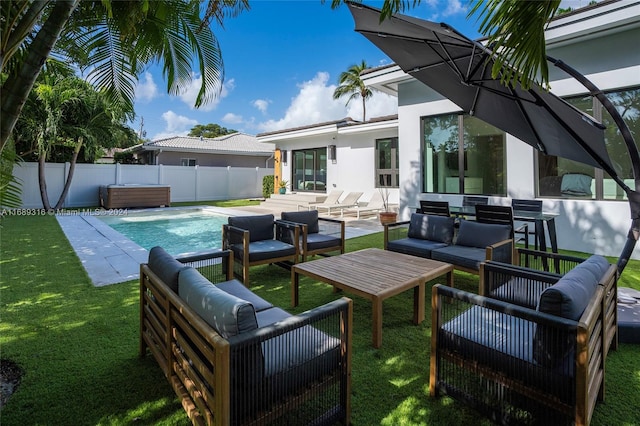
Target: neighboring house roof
330,127
233,144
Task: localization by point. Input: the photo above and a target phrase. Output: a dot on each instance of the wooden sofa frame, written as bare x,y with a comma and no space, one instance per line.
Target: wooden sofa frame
203,367
509,388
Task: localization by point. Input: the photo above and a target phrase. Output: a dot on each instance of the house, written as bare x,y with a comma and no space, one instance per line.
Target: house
235,150
431,150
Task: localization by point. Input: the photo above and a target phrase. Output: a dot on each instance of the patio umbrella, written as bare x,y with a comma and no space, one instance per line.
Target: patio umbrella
460,69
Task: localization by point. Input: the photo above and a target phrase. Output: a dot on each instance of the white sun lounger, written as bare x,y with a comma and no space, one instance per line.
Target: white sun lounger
350,200
332,199
375,204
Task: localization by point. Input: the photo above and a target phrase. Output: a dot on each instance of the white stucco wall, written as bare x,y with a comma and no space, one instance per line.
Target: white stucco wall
354,167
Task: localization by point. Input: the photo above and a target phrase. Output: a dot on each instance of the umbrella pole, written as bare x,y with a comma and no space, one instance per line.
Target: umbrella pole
632,194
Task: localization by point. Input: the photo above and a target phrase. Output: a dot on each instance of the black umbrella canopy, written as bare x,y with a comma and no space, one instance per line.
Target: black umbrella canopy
460,69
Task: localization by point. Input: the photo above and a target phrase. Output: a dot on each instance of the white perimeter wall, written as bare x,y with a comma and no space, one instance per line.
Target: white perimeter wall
187,183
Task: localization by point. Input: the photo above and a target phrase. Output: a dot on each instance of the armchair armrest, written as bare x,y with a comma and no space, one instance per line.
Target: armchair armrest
331,226
216,265
395,231
288,232
501,251
514,284
546,261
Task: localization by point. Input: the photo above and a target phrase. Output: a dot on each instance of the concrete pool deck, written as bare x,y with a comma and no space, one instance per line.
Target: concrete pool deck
111,258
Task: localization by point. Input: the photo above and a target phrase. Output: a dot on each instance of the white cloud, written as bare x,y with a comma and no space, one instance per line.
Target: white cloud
189,96
176,125
314,104
146,89
232,118
261,104
454,7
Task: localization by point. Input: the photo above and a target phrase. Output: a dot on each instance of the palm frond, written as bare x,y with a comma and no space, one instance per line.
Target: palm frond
10,186
515,31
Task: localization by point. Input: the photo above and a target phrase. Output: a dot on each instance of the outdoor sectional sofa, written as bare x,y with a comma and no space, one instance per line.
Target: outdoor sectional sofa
435,237
232,357
533,349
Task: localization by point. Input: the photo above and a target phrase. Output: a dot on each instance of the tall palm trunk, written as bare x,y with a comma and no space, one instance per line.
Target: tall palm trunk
364,109
42,181
72,168
16,88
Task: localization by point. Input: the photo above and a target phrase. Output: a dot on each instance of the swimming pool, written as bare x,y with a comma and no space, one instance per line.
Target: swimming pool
177,231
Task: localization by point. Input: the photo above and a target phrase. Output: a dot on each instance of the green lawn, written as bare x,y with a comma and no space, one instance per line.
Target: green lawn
78,345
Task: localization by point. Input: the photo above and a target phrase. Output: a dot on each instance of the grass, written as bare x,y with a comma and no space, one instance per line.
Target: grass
78,345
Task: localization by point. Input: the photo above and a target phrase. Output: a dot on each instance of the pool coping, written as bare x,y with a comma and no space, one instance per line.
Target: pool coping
109,257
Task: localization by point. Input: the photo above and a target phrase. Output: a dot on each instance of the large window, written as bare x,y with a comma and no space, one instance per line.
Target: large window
462,155
310,170
558,177
387,172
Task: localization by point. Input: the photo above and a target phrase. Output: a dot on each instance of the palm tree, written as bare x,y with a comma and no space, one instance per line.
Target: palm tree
115,40
351,84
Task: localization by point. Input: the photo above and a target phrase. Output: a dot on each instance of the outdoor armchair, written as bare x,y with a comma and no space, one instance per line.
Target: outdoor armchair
318,235
535,346
260,239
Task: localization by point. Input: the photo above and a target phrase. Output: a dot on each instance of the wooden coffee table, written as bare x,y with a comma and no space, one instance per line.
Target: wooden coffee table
375,275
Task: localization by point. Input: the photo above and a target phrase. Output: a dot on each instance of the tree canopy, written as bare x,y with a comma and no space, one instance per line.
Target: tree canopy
210,130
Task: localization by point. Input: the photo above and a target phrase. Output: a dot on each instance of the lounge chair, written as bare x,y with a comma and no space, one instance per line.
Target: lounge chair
332,198
318,235
375,205
351,200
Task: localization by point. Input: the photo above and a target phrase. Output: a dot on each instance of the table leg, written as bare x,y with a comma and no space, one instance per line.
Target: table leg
295,280
377,322
418,303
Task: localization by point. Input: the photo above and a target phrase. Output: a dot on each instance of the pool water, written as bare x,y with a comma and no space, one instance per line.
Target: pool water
177,231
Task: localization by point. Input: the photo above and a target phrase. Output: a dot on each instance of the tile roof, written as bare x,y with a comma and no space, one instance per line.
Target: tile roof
235,143
347,121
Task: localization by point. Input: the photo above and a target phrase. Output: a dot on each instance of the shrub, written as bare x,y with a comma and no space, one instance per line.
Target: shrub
267,186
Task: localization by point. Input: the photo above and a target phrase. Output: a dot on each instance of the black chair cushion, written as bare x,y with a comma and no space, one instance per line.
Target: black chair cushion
309,218
226,313
414,246
466,257
263,250
321,241
431,227
165,266
481,235
260,227
238,289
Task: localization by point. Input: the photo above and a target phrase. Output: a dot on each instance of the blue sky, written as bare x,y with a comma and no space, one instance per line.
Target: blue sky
282,60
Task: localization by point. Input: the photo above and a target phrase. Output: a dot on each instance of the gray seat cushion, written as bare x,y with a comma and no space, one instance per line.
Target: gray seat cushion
482,235
239,290
466,257
226,313
431,227
295,348
321,241
264,250
310,218
414,246
260,227
165,266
